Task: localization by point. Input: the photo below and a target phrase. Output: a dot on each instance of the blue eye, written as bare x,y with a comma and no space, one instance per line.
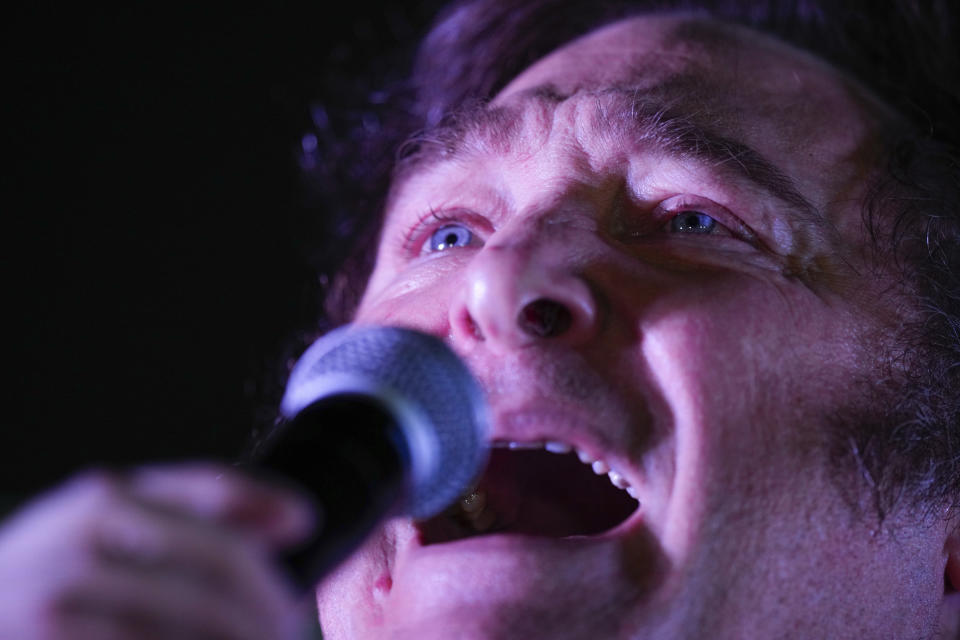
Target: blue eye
449,236
692,222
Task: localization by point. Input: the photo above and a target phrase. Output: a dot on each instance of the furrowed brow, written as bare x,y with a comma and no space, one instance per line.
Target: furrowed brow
678,135
474,128
481,129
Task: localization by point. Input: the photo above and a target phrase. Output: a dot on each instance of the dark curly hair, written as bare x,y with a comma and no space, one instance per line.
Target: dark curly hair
904,51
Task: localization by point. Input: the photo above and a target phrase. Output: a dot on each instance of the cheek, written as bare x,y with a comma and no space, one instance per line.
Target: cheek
728,360
417,298
749,368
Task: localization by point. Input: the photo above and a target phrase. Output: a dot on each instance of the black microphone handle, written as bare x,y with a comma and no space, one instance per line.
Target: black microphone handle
349,456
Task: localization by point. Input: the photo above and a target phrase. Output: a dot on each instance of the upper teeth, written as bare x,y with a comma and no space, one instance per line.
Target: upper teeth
599,467
557,447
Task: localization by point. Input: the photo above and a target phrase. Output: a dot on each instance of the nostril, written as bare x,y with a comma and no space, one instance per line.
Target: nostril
474,330
465,326
544,318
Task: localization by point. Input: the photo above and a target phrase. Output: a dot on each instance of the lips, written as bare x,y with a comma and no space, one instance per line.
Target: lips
543,489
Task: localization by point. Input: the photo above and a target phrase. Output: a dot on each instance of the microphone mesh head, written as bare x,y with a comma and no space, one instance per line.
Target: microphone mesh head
428,389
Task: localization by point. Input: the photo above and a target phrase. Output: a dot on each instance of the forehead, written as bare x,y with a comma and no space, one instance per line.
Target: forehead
786,102
753,93
682,56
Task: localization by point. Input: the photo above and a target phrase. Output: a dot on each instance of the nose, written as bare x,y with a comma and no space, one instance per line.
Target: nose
523,294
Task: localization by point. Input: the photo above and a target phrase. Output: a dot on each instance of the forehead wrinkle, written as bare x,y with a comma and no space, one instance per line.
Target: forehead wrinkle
654,124
478,129
647,117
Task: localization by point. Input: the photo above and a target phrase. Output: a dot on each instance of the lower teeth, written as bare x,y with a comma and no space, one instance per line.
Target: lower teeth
475,511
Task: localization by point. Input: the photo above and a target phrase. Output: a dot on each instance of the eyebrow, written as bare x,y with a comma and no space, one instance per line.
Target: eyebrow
627,112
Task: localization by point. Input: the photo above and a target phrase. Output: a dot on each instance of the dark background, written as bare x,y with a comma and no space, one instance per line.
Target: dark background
155,221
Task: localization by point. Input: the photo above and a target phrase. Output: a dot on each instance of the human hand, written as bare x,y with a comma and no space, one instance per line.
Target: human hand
178,552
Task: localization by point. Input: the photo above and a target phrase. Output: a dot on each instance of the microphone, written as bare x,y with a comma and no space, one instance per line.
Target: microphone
378,421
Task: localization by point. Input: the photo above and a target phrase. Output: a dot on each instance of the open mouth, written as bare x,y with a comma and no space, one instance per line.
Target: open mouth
537,489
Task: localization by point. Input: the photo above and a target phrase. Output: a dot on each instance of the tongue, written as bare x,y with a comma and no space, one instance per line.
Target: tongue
536,493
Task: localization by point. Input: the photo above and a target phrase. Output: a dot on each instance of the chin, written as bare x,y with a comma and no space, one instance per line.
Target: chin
548,543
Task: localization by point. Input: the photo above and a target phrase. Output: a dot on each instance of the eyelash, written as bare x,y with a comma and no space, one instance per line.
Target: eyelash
667,211
412,241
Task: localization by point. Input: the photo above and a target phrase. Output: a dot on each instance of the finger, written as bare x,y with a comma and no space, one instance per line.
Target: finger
277,515
55,531
76,623
167,606
94,525
147,542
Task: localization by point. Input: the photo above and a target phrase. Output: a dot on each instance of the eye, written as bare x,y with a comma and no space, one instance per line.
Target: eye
441,230
695,222
448,237
688,218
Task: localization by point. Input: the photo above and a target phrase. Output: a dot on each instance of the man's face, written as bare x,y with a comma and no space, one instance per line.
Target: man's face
686,199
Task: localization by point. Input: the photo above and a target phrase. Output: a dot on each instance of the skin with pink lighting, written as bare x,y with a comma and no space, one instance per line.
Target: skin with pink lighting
711,327
649,250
